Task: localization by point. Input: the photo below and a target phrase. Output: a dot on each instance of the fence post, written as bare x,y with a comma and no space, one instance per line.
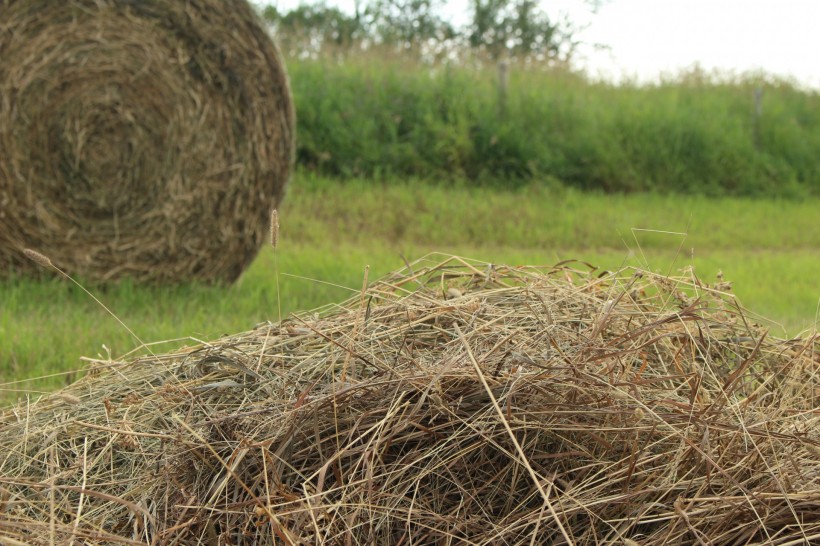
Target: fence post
503,81
757,115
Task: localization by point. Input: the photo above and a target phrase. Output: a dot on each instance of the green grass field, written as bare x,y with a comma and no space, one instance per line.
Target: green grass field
331,230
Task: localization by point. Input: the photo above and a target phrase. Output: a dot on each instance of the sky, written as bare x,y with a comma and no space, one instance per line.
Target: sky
646,39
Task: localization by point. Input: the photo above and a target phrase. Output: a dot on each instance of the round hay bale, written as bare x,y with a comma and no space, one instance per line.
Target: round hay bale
147,140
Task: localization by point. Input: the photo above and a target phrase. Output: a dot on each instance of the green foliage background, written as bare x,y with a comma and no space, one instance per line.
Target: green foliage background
379,115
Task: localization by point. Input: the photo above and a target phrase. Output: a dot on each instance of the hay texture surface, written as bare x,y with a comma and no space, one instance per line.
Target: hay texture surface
450,403
139,139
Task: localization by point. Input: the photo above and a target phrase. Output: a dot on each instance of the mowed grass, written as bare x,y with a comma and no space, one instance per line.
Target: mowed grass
331,230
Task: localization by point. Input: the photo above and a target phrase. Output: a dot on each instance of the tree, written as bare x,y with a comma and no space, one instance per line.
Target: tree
515,28
407,23
311,27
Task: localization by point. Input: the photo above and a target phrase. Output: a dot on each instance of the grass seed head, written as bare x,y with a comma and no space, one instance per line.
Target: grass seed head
274,228
36,257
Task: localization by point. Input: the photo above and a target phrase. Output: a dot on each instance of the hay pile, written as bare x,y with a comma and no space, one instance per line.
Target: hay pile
139,139
452,402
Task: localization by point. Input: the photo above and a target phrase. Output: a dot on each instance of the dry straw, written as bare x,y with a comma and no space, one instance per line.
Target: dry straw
140,139
539,406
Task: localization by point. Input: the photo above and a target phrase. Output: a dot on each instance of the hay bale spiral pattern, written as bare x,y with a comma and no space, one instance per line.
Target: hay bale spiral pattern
147,140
